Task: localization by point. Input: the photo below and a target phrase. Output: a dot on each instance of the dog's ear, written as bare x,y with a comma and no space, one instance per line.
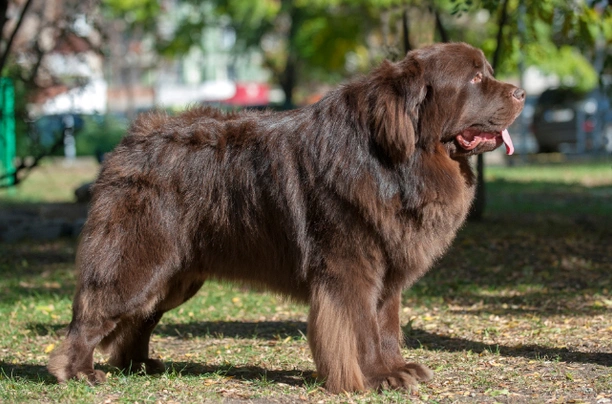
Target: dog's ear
401,89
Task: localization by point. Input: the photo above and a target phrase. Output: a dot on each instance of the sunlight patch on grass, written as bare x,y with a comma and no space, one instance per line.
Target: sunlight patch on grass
585,174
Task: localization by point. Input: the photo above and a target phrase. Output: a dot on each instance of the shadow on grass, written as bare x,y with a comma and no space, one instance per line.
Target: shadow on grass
263,330
266,330
26,372
434,342
298,378
43,329
416,339
271,330
38,269
42,221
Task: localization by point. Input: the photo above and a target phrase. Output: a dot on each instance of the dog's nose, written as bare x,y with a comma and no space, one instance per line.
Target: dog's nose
519,94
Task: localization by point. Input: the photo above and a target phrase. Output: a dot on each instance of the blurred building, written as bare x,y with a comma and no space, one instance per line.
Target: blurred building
84,89
213,74
124,74
139,79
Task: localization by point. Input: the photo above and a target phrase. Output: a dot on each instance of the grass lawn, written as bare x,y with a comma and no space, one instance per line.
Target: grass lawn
52,181
518,311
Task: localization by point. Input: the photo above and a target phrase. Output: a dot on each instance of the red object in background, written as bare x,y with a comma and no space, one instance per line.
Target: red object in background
588,125
250,94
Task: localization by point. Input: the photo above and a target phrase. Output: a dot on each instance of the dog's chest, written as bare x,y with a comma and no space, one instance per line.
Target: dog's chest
428,228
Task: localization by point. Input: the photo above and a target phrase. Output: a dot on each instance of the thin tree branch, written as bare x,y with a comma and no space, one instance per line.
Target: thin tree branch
9,43
503,19
406,29
40,53
15,175
3,17
444,37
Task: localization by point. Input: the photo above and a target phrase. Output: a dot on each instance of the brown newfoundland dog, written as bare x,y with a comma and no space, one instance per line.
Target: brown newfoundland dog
341,204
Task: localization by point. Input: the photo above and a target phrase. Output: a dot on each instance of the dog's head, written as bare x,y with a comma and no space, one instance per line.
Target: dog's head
444,93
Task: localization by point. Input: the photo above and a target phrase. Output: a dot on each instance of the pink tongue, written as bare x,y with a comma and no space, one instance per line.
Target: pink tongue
508,142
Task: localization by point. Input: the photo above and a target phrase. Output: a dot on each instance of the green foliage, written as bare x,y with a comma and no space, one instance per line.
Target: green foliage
251,20
320,33
133,11
190,22
151,17
324,40
566,62
100,134
561,37
316,35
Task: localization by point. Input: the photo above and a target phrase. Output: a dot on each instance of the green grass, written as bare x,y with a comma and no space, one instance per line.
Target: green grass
518,311
578,188
587,174
52,181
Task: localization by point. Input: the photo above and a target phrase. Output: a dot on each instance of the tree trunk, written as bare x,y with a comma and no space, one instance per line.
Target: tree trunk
288,80
480,202
3,17
444,37
406,29
503,20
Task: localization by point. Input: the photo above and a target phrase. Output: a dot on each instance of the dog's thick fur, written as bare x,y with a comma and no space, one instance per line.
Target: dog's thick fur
341,204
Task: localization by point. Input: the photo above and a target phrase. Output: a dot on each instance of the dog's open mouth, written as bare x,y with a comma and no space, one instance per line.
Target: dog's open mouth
470,138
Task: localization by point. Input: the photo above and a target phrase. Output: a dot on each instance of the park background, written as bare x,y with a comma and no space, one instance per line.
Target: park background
519,310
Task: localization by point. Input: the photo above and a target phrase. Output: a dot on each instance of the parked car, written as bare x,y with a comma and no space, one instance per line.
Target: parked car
565,120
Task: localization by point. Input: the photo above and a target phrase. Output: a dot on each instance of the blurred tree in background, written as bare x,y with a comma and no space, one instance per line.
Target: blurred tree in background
300,40
319,41
562,37
31,31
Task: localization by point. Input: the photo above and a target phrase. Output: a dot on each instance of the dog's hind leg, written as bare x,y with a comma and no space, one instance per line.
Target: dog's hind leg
114,314
74,357
130,250
128,344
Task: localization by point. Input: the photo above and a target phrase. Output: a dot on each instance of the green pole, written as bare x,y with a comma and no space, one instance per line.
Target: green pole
7,130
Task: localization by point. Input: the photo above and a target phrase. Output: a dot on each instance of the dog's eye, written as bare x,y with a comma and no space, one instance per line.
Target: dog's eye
477,78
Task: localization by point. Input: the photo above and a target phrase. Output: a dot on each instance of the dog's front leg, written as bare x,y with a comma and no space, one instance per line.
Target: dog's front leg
352,349
391,337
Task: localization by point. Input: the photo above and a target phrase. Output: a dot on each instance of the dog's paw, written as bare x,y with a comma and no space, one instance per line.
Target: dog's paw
420,372
93,377
395,381
153,366
405,377
147,367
